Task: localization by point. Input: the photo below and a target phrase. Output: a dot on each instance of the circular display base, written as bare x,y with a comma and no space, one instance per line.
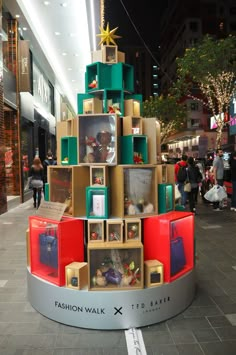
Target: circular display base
111,309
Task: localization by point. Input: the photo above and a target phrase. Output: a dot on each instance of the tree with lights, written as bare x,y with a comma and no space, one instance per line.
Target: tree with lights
168,112
209,69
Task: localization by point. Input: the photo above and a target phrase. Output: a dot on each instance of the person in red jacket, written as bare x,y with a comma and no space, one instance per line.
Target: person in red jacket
182,162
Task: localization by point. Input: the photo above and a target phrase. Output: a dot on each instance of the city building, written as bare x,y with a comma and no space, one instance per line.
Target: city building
183,24
38,86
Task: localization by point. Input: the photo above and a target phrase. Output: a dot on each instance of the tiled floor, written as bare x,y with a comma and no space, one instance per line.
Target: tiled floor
207,327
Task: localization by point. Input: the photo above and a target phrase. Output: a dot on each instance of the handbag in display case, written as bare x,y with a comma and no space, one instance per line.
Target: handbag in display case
177,254
48,249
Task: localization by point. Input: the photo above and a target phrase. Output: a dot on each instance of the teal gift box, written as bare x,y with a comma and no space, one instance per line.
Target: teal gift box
97,202
165,198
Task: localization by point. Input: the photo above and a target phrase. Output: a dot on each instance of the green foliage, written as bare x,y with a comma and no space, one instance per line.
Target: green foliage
168,112
210,56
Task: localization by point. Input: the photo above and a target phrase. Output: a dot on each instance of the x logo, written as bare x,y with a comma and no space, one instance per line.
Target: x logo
117,310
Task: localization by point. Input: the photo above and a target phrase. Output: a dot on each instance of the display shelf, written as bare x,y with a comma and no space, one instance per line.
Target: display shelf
169,238
134,191
153,273
98,76
133,105
151,129
108,310
66,184
115,266
162,174
132,125
114,231
98,139
165,198
97,202
69,150
122,77
77,275
133,231
53,245
134,149
96,231
98,176
113,100
108,54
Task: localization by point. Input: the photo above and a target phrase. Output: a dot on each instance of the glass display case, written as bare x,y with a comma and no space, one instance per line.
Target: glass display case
53,245
95,231
98,139
134,191
132,230
66,184
98,176
169,238
115,266
114,231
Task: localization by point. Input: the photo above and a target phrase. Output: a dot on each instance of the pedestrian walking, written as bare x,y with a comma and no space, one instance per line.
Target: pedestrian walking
181,176
36,174
218,172
232,163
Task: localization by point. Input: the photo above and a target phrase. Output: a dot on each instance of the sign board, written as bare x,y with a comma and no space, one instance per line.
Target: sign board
51,210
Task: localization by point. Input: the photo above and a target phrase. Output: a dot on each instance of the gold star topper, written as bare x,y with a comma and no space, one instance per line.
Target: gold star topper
107,36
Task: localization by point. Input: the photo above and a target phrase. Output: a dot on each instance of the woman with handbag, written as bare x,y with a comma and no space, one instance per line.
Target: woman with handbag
194,177
37,175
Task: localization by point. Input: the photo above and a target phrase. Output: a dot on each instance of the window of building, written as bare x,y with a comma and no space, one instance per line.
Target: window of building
232,26
232,10
195,122
193,26
194,106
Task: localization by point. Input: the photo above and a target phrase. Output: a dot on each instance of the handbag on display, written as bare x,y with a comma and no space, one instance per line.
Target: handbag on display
177,254
48,249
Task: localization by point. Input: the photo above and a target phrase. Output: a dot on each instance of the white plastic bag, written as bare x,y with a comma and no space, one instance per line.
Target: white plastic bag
177,193
216,193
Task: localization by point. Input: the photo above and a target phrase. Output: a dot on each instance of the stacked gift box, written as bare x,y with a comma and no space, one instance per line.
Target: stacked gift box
117,229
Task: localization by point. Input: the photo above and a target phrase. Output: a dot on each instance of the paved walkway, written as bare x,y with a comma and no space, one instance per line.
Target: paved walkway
207,327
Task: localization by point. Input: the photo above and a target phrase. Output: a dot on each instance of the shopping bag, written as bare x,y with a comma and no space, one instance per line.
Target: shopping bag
216,193
177,254
187,187
177,193
48,249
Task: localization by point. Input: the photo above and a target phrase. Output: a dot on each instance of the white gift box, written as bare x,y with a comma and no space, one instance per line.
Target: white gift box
99,205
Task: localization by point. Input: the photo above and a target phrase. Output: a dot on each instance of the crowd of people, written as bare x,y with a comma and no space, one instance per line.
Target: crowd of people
200,177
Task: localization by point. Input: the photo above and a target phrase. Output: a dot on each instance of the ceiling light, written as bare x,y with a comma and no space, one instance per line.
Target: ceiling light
24,28
73,34
73,80
57,33
69,68
46,3
64,4
76,55
64,53
17,16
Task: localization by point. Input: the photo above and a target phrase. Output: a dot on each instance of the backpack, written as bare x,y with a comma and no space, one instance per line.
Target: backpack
182,173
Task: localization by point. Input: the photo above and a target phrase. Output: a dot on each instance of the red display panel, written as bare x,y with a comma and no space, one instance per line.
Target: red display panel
159,232
53,245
